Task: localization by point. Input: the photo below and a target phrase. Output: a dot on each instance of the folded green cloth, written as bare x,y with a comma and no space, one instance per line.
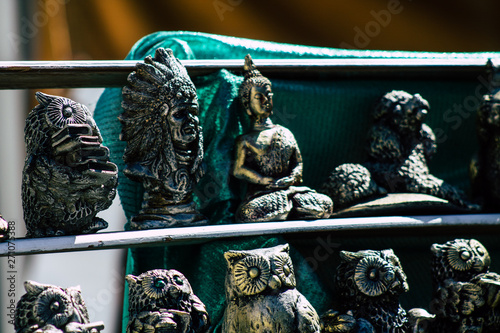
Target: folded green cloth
330,119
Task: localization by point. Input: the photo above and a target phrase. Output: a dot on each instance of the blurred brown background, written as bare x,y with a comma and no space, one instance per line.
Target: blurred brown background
97,29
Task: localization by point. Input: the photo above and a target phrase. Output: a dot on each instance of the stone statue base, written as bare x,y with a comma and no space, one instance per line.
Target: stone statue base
183,215
402,204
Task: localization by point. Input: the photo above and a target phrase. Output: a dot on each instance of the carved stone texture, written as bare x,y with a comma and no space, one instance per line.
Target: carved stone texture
368,284
67,176
164,141
351,183
466,294
400,145
162,301
50,309
268,159
4,229
261,295
486,170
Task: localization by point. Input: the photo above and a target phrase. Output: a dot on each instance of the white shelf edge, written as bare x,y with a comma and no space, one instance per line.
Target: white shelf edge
178,236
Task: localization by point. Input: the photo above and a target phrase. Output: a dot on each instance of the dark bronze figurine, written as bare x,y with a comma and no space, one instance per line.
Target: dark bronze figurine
486,170
162,301
368,284
466,294
50,309
164,141
401,145
261,295
67,176
269,160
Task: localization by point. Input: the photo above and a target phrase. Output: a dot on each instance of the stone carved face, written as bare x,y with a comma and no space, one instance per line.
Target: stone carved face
184,123
261,101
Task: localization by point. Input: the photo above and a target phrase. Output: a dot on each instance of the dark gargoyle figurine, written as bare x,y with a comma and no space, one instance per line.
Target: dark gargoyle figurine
162,301
485,169
50,309
400,146
164,141
67,176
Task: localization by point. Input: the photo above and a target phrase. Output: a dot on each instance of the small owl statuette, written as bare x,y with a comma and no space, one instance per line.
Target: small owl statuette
67,176
50,309
261,295
368,284
466,294
162,301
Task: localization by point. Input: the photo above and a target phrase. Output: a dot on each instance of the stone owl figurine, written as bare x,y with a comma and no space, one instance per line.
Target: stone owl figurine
261,295
50,309
369,284
67,176
162,301
466,294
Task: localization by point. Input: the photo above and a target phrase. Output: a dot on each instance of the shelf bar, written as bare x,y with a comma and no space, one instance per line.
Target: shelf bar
179,236
113,73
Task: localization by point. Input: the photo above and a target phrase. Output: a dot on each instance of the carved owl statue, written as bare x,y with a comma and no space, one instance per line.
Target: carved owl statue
50,309
466,294
369,284
67,176
162,301
261,295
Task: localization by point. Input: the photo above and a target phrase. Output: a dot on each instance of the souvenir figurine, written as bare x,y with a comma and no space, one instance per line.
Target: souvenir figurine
4,229
400,147
268,159
349,184
261,294
50,309
164,141
466,294
162,301
486,169
369,284
67,176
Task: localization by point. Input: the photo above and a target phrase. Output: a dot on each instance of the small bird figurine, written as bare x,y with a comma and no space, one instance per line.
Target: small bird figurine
67,176
162,301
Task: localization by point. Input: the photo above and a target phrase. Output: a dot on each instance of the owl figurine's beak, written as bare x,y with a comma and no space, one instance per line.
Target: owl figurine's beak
274,282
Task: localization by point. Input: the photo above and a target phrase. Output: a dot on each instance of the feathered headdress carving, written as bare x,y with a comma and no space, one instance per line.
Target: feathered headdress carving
156,85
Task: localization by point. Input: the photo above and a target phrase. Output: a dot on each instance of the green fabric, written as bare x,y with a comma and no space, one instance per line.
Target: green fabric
330,119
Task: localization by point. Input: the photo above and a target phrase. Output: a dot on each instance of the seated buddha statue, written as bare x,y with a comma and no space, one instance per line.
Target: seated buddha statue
269,160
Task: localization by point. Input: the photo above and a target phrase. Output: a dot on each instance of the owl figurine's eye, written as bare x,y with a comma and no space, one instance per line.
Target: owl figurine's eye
465,255
63,111
251,275
160,283
480,251
178,280
283,267
67,112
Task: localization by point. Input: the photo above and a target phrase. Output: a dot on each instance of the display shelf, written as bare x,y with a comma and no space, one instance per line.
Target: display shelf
109,73
403,225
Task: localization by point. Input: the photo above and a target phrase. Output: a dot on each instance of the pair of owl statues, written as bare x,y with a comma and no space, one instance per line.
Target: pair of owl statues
261,297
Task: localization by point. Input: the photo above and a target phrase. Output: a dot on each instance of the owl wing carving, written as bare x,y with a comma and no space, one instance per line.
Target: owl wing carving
307,318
